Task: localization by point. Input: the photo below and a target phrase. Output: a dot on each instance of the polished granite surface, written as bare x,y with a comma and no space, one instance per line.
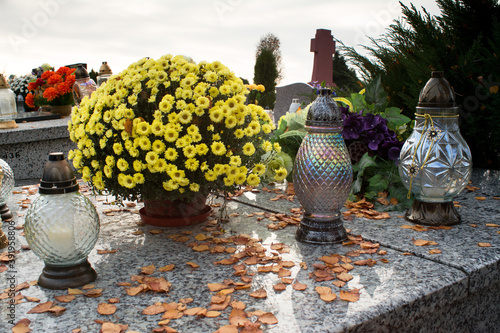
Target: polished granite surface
402,287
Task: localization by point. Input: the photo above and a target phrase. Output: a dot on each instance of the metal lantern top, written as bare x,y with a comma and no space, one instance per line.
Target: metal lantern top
58,178
324,112
81,72
105,69
437,93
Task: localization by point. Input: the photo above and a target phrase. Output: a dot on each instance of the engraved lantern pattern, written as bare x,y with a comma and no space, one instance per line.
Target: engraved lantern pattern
322,173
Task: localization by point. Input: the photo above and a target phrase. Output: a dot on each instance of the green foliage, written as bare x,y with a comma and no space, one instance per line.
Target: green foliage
344,77
93,75
464,42
266,73
373,175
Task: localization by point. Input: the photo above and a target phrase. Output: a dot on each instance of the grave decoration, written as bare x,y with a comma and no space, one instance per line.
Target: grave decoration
170,132
6,187
53,89
322,173
62,227
435,161
8,110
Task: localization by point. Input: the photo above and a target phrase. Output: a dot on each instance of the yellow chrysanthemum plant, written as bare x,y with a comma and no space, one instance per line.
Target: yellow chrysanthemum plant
170,129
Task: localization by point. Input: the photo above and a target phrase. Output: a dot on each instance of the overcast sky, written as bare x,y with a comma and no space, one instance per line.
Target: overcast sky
61,32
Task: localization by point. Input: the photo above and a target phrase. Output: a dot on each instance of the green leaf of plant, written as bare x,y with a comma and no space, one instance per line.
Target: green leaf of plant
365,162
375,93
299,133
358,103
394,117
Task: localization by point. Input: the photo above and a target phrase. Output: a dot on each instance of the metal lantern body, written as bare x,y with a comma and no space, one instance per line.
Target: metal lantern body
62,227
6,187
435,161
322,173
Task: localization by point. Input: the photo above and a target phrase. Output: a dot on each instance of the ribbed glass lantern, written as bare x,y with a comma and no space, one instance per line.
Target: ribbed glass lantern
322,173
6,187
435,161
62,227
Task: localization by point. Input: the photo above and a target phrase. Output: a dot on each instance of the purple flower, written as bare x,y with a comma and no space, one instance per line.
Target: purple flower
353,126
372,121
374,139
393,153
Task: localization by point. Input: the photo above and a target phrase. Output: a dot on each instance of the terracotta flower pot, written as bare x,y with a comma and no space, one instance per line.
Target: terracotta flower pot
166,213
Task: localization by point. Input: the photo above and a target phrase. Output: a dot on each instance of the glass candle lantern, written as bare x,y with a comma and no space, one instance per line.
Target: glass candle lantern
6,187
8,110
322,173
104,73
83,86
435,161
62,227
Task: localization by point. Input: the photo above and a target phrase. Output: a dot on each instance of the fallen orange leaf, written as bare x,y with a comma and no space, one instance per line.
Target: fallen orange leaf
345,277
435,251
22,326
194,311
148,269
238,317
41,308
65,298
268,319
192,264
212,314
74,291
279,287
349,296
166,268
484,244
93,293
259,293
227,329
106,309
338,283
153,309
492,225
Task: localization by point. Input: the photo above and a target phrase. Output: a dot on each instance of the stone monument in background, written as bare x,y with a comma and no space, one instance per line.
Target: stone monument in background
323,47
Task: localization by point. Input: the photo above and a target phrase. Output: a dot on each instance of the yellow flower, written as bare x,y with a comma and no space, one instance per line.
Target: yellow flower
240,178
177,175
160,165
194,187
259,169
203,102
95,164
267,146
173,118
181,142
143,128
248,149
210,175
210,128
266,128
216,137
249,132
189,151
126,181
261,88
211,76
277,147
219,169
204,166
280,174
107,117
201,149
235,160
231,121
255,126
110,160
158,146
144,143
171,154
151,158
139,178
218,148
228,181
138,166
157,127
193,129
185,116
196,137
170,185
216,115
225,89
192,164
171,134
239,133
253,179
122,164
214,92
117,148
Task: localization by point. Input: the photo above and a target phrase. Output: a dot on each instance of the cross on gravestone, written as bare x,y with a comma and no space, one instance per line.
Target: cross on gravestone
323,47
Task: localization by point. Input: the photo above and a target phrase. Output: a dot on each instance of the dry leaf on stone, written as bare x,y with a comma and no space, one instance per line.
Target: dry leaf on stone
480,198
227,329
106,309
93,293
42,307
259,293
279,287
238,317
186,300
212,314
132,291
172,314
268,319
108,327
492,225
435,251
338,283
153,309
147,270
32,299
114,300
88,286
194,311
155,232
74,291
166,268
484,244
350,296
299,286
65,298
423,242
192,264
238,305
345,277
22,326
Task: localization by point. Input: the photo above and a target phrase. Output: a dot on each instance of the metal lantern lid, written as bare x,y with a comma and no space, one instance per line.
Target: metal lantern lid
58,178
3,82
81,72
105,69
324,112
437,93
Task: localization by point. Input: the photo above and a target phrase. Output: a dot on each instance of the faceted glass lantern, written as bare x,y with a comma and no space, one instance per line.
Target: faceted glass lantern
62,227
6,187
322,173
435,161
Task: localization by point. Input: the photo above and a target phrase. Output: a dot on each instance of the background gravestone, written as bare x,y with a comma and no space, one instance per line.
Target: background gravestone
285,94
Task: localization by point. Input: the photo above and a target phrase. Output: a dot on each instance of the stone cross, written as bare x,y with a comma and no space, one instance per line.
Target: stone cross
323,47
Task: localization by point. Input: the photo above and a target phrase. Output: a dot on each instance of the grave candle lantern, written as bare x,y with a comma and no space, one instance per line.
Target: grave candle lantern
435,161
62,227
322,173
6,187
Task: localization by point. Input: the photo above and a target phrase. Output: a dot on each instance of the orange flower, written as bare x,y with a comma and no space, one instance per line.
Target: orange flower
50,93
30,100
54,79
70,80
46,74
64,88
65,70
32,86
